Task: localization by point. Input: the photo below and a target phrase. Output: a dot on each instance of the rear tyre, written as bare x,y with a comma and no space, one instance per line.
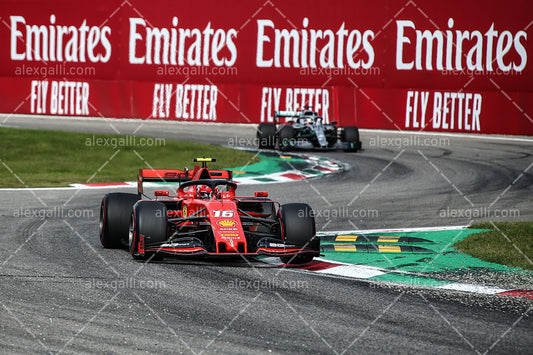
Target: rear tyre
115,211
350,135
149,219
298,228
266,135
286,138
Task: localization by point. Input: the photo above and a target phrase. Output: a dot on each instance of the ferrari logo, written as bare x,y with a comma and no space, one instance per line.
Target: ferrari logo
184,211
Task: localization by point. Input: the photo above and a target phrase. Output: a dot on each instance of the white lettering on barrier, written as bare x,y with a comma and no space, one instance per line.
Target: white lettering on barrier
180,46
411,110
312,48
455,48
450,49
66,97
191,101
295,99
59,43
451,110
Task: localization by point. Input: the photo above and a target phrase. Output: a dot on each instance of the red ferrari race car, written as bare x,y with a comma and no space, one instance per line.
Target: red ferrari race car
205,217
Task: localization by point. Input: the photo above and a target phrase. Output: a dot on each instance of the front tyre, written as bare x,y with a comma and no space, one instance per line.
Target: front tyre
298,228
266,135
148,227
350,135
115,211
331,135
286,138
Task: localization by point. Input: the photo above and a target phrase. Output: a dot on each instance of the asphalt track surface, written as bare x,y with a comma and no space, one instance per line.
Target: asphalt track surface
63,293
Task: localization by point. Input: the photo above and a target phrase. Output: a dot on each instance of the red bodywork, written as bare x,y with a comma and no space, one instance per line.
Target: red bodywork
230,229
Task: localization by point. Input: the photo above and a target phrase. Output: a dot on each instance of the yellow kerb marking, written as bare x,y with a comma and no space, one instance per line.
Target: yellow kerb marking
389,249
387,239
346,238
343,247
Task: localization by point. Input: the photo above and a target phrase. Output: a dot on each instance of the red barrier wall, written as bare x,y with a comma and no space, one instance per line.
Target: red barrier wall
436,66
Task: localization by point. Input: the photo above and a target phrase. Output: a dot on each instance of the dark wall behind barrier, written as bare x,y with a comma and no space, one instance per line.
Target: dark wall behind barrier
450,66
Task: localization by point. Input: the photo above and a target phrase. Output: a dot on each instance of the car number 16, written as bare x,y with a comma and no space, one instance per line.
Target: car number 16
223,214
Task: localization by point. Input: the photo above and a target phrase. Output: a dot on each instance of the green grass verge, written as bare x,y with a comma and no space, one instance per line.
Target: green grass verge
511,244
37,158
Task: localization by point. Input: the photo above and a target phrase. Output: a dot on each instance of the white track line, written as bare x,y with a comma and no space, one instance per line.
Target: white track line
524,139
392,230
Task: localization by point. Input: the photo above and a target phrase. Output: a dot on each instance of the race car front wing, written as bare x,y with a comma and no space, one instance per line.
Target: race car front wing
194,246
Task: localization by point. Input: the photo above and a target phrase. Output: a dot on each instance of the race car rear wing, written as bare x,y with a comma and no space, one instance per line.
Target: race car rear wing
179,176
295,114
161,175
288,113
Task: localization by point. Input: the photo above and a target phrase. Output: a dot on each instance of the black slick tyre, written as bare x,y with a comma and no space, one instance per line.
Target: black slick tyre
266,135
285,138
149,220
298,228
115,212
350,135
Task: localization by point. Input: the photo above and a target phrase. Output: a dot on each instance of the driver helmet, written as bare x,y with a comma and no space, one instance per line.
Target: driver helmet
203,191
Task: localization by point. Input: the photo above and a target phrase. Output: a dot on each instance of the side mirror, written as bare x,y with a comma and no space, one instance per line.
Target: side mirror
161,193
261,194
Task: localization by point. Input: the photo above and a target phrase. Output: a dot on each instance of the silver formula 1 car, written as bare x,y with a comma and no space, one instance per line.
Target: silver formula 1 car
306,130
